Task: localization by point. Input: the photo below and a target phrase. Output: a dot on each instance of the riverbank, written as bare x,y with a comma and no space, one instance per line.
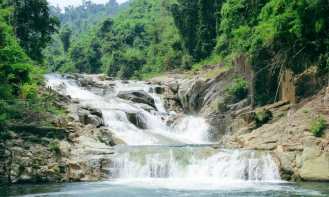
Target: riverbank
283,128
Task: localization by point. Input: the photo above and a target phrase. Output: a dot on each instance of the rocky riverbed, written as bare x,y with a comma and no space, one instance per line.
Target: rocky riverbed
77,145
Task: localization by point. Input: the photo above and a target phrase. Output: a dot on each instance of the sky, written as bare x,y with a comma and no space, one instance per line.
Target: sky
64,3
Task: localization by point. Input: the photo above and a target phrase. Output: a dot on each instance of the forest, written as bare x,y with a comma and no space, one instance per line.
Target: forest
153,36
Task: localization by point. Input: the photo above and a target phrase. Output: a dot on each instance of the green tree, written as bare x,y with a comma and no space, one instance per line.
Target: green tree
34,26
65,35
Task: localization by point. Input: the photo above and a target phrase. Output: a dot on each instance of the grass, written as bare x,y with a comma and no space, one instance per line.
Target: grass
212,60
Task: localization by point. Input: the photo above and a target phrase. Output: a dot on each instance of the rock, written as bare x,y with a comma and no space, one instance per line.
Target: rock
86,117
105,136
64,148
109,78
70,77
137,119
94,111
101,77
173,87
158,90
76,101
14,173
85,81
315,165
137,96
118,141
78,76
145,107
94,120
172,118
232,145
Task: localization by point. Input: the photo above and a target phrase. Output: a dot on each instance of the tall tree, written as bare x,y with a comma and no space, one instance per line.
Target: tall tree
34,26
65,36
186,19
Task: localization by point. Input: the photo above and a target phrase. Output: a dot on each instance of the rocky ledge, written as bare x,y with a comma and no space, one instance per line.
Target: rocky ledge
70,147
283,128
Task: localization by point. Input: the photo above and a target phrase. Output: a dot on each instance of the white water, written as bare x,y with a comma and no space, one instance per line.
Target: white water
188,168
191,130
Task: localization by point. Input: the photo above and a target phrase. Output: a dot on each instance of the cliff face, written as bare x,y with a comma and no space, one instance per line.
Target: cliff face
282,127
72,147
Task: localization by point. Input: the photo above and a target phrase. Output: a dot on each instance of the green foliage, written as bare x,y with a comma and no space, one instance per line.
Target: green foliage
85,54
53,145
239,88
65,35
222,102
34,32
318,125
304,110
156,35
187,62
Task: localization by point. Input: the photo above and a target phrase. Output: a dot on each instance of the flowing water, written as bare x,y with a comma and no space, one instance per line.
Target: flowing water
167,161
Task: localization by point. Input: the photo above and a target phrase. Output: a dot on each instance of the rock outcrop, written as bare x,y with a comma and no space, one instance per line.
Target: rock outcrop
137,97
74,147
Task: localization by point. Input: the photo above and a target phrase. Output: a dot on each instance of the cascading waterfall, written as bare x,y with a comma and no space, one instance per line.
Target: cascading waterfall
193,163
187,165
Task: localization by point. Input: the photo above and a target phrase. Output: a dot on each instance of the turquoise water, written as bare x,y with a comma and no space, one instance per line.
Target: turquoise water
124,189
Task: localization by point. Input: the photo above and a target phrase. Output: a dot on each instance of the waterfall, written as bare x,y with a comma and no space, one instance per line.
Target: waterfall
190,130
193,163
172,165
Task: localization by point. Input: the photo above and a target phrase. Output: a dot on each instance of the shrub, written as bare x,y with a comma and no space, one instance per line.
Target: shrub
304,110
53,145
239,88
318,125
187,62
221,102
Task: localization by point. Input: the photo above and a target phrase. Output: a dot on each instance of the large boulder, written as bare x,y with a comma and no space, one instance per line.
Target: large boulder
136,118
137,96
315,165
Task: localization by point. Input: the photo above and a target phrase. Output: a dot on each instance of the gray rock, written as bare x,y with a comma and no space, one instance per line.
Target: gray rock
94,120
173,87
137,96
136,118
78,76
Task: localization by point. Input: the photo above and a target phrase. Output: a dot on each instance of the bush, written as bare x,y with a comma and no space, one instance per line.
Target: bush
187,62
222,102
54,145
239,88
304,110
318,125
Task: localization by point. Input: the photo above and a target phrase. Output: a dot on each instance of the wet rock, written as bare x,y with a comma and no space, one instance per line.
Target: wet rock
232,145
70,77
105,136
159,90
172,118
137,97
137,119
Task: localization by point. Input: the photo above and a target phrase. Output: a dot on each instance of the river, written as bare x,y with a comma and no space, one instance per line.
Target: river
167,161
